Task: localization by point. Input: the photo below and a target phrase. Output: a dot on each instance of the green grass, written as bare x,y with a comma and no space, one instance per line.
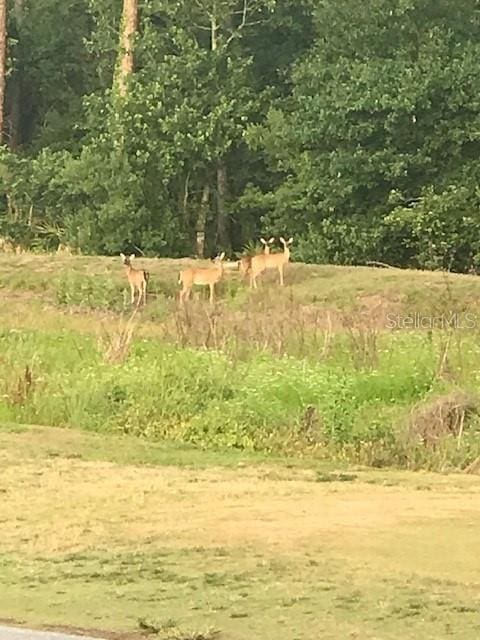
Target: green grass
307,368
239,594
95,282
230,471
97,533
211,400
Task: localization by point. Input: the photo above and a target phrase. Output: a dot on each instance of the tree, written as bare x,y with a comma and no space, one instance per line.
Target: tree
3,60
128,30
225,21
386,106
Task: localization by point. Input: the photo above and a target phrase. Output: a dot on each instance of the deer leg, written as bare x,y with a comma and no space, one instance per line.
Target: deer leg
132,292
280,271
211,293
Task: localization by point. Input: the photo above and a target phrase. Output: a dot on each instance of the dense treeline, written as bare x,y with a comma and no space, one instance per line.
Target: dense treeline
353,126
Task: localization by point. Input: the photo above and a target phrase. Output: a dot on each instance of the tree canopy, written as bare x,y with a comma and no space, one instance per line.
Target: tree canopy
352,126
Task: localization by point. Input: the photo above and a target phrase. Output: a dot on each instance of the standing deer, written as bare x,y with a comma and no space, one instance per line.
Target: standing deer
245,261
266,245
137,279
204,276
265,261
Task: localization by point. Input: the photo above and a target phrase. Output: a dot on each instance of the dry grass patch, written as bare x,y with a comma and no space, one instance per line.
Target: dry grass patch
432,421
261,551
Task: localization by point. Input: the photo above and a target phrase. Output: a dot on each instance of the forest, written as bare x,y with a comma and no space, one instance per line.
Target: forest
188,127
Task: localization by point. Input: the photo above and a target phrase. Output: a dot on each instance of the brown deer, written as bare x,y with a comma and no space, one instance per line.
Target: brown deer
203,276
266,245
137,279
245,261
244,265
265,261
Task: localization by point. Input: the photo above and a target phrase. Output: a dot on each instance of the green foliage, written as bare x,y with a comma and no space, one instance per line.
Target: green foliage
368,117
203,397
351,240
440,231
352,126
91,292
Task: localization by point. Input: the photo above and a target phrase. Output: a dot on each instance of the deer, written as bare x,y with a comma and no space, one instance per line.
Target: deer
8,246
262,262
266,245
203,276
245,261
137,279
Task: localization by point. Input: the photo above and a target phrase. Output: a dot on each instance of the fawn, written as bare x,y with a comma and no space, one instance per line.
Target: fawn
266,245
262,262
137,279
203,276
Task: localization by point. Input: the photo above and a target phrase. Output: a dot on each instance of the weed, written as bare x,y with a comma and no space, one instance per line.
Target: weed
335,477
431,422
269,370
18,386
115,346
169,630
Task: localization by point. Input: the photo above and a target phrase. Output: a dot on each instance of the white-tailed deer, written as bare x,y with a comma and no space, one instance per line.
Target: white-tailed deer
137,279
64,249
244,265
245,261
7,246
204,276
266,245
265,261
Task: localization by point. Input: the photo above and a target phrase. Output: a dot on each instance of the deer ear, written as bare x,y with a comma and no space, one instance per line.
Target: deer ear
282,240
122,256
222,255
271,240
263,241
132,256
290,241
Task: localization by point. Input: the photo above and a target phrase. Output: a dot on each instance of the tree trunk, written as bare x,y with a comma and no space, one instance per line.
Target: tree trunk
202,221
222,231
15,92
3,60
128,31
223,236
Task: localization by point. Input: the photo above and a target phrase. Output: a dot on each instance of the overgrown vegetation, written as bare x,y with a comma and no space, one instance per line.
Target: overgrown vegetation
264,371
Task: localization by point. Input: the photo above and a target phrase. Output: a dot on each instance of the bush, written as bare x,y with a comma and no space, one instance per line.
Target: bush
440,231
350,240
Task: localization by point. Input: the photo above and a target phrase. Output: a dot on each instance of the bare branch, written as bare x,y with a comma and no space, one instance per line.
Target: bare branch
203,28
241,25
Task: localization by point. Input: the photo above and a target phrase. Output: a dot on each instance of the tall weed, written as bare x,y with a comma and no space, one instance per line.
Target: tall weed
210,398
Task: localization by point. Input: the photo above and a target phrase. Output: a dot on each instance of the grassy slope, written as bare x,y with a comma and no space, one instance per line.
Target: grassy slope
101,531
92,537
333,286
361,379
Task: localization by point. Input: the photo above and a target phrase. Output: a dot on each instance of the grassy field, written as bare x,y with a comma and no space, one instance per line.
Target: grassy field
109,533
242,470
316,366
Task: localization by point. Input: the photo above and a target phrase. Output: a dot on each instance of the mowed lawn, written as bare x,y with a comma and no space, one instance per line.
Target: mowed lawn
117,534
